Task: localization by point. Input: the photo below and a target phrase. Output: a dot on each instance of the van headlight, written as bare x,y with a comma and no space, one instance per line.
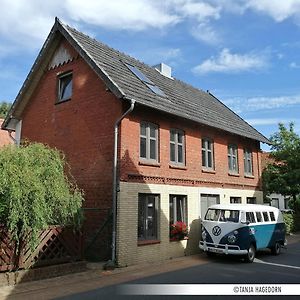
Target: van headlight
231,239
203,235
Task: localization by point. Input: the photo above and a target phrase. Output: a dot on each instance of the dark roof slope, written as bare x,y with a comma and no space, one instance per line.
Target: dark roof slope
182,99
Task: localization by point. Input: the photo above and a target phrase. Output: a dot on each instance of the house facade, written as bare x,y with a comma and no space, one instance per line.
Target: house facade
178,149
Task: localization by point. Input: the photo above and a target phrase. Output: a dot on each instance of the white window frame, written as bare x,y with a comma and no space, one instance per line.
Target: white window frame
233,163
62,77
177,144
248,162
148,138
206,149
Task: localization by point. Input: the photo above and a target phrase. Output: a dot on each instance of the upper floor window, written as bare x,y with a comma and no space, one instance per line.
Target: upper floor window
149,141
233,159
64,87
177,146
248,166
207,153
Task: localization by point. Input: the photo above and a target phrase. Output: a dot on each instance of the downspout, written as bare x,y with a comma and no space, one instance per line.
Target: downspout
114,192
12,138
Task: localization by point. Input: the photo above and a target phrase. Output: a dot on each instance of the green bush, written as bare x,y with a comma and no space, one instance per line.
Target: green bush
292,222
35,192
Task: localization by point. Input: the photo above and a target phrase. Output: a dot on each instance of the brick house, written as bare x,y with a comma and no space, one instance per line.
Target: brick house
179,149
5,139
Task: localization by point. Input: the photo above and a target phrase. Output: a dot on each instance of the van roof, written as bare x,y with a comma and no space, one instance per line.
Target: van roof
248,207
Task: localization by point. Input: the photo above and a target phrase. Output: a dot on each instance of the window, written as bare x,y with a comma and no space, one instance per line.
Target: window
233,159
178,208
248,169
275,202
251,200
222,215
64,87
266,216
235,200
149,141
142,77
258,216
177,146
148,215
272,216
207,153
250,217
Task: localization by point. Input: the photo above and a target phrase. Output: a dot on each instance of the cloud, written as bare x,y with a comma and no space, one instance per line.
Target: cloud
199,10
205,33
121,14
262,103
228,62
294,65
279,10
267,121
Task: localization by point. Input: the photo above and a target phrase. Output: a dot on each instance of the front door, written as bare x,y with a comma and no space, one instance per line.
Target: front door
206,200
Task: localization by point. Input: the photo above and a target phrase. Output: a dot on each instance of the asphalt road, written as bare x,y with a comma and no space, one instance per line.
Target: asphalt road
269,269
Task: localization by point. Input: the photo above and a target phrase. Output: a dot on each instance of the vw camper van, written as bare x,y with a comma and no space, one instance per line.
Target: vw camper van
242,229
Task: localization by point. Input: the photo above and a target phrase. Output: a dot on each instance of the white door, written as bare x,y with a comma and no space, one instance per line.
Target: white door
206,200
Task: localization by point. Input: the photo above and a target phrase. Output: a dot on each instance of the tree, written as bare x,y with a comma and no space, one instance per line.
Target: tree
35,192
4,108
283,175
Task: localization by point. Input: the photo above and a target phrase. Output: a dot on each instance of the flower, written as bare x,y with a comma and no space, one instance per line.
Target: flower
178,230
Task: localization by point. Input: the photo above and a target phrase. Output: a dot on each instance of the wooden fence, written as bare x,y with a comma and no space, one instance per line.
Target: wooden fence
56,245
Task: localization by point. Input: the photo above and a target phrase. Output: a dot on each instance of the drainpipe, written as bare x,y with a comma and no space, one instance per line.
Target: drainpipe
12,138
111,264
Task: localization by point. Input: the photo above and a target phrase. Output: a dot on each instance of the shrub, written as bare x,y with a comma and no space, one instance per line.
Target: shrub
35,192
292,222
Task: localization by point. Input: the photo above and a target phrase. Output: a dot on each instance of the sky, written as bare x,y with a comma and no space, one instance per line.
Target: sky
245,52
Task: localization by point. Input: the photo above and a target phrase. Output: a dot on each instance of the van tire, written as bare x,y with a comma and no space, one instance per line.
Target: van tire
276,249
251,254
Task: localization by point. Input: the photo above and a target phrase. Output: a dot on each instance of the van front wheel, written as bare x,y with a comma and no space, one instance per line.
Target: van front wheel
251,254
276,249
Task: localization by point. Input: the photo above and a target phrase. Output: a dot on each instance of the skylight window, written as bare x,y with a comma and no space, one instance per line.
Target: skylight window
154,88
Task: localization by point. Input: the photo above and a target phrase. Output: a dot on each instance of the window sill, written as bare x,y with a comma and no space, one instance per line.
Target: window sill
249,176
149,163
211,171
180,167
234,174
148,242
178,240
62,101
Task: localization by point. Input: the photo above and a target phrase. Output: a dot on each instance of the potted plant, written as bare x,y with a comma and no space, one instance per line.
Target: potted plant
178,231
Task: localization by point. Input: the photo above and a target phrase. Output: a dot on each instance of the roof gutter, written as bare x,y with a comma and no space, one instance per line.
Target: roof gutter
112,263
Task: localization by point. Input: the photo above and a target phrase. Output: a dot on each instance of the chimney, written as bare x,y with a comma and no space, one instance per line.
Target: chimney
164,70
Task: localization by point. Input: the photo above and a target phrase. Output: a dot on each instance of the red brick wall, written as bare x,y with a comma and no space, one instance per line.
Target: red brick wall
82,128
130,163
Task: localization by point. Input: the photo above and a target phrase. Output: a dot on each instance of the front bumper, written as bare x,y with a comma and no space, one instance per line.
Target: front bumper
222,248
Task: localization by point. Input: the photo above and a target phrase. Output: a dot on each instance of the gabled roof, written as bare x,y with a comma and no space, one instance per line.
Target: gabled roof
181,99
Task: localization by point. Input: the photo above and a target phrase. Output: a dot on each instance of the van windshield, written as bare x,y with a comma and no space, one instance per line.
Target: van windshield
222,215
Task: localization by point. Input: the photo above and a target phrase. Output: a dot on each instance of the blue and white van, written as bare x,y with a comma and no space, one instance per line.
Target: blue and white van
242,229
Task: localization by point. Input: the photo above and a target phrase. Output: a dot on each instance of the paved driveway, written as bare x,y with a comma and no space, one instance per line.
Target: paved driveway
266,269
99,284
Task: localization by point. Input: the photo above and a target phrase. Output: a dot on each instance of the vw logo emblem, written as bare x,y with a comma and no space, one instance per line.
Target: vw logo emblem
216,230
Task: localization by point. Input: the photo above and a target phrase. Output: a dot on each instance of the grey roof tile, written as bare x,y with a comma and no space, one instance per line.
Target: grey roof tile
181,99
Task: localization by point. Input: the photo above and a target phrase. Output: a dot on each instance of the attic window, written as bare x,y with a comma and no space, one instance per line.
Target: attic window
154,88
64,87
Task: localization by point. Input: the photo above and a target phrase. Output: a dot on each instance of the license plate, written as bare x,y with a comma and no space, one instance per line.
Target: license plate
215,250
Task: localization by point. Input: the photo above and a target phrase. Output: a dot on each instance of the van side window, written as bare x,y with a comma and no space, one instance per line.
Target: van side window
258,216
266,216
250,217
272,216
